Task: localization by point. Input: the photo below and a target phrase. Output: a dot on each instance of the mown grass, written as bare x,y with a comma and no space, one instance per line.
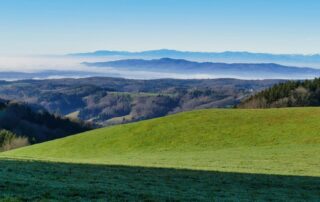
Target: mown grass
230,154
40,181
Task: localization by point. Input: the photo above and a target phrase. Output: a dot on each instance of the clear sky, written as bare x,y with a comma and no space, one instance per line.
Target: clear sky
64,26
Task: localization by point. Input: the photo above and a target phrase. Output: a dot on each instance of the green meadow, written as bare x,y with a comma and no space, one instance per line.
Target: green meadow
205,155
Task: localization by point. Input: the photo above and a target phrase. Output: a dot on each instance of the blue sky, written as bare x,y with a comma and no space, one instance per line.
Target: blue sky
64,26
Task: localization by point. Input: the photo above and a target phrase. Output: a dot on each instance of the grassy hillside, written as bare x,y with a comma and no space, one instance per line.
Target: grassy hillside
208,155
272,141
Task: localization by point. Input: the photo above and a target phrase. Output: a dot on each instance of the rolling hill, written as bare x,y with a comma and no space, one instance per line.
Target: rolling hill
206,155
251,141
107,101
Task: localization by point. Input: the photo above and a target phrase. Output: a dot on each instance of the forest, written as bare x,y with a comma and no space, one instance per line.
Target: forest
286,94
22,125
107,101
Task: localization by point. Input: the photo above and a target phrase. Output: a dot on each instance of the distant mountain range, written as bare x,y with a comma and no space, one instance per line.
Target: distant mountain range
168,68
222,70
227,57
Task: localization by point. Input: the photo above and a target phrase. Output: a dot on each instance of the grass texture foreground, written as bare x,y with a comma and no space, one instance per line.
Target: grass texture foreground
201,155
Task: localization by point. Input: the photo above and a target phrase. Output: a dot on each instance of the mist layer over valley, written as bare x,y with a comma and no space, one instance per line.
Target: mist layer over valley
160,64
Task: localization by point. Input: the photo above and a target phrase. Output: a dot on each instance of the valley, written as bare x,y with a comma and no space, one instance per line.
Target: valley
108,101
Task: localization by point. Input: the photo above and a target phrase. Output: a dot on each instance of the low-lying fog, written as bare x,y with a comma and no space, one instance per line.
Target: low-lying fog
43,67
60,67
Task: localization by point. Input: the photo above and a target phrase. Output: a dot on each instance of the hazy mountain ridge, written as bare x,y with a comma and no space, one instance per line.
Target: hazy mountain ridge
227,56
226,70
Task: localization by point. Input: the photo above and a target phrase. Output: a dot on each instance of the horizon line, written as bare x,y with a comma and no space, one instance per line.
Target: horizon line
160,49
187,51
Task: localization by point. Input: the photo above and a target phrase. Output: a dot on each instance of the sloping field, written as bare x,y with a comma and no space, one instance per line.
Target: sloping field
207,155
271,141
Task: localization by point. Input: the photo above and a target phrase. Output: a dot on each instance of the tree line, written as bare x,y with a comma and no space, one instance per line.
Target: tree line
287,94
21,125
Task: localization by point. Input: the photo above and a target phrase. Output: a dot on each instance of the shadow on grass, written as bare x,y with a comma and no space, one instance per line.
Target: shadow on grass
26,180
